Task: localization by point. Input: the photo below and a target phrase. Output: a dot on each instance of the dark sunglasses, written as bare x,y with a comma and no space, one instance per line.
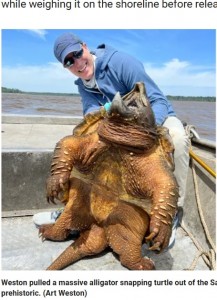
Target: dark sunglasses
69,61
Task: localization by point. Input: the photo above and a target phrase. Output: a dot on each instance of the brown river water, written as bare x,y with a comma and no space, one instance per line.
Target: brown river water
200,114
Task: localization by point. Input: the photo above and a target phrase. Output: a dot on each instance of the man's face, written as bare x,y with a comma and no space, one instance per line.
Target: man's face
83,67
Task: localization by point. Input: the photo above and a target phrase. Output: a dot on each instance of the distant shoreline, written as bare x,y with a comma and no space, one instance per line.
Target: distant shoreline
171,98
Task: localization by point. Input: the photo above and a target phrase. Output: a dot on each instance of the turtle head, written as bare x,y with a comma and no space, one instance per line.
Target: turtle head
133,107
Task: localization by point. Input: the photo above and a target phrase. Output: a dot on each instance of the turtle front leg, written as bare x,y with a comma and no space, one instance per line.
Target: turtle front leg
71,150
62,163
163,212
76,214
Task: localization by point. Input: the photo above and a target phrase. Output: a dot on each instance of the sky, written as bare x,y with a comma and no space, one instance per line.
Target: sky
181,62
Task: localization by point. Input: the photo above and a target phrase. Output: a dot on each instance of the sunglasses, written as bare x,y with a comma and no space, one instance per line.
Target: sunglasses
69,61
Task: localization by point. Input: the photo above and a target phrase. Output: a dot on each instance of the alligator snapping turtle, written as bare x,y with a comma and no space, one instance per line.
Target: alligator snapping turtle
124,188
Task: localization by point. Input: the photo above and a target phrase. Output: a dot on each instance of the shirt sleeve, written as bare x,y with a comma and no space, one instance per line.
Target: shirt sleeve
131,71
89,101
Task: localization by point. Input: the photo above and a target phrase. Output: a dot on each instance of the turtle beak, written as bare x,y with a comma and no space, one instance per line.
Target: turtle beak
119,107
133,107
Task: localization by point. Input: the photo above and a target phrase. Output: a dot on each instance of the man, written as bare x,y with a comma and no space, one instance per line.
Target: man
104,72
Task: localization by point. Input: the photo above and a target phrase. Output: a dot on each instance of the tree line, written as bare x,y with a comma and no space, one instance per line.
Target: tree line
171,98
191,98
17,91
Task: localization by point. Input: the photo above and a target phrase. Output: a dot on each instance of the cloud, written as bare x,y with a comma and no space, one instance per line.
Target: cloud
41,33
51,77
181,77
174,77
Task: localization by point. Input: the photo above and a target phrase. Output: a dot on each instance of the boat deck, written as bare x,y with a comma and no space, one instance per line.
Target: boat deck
22,249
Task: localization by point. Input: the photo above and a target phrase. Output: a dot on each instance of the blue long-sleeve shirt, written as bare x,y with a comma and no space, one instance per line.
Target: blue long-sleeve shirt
116,71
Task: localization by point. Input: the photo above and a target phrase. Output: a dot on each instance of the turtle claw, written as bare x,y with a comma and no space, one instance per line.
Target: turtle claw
156,246
50,199
151,236
40,235
46,232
